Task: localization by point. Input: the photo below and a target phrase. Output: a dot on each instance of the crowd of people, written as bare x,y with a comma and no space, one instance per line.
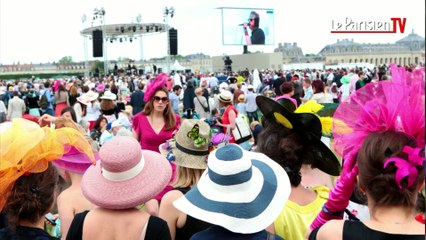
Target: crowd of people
300,154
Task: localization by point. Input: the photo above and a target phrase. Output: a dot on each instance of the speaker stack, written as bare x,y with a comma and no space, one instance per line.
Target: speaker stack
173,41
97,43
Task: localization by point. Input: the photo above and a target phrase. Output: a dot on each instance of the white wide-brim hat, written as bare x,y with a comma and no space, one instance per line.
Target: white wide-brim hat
109,96
86,98
241,191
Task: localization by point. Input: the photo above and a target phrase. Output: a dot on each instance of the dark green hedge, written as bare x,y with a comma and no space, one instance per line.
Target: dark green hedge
39,75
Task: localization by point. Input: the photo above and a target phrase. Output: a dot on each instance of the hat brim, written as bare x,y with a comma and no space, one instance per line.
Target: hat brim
77,163
183,159
324,158
105,193
240,209
109,97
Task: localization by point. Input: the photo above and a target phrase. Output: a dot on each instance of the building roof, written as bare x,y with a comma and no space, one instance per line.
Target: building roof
412,37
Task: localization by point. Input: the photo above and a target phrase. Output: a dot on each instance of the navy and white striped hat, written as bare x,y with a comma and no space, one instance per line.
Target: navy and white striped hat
241,191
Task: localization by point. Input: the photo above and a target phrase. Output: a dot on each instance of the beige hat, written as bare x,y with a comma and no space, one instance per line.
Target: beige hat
86,98
225,96
190,148
241,98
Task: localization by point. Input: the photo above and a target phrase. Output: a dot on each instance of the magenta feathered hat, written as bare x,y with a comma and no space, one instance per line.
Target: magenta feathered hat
158,83
397,105
75,161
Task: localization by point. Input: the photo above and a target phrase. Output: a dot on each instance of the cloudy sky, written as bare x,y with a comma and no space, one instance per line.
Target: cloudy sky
47,30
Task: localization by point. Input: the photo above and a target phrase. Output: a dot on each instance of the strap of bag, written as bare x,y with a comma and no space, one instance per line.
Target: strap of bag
205,108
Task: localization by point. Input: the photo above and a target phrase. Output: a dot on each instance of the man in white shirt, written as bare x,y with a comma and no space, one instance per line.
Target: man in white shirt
251,106
308,91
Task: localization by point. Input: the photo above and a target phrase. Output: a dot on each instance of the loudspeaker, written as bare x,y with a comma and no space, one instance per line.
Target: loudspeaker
173,41
98,42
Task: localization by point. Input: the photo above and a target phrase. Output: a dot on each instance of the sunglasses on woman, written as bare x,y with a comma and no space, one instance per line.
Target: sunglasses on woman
163,99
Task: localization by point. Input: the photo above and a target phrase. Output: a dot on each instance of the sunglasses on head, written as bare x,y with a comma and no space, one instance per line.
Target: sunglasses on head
163,99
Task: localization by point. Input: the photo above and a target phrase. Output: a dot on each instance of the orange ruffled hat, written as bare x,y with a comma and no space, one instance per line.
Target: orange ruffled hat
27,148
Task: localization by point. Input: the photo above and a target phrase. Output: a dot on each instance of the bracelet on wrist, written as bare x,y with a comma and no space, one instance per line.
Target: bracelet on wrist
338,214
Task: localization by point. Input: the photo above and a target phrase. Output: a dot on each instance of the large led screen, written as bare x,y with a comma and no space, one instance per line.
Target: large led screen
247,26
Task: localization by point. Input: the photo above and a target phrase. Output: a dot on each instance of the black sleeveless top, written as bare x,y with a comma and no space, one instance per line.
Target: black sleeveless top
354,230
157,228
192,225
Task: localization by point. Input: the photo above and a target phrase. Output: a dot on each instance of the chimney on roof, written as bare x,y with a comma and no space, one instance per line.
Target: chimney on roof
295,44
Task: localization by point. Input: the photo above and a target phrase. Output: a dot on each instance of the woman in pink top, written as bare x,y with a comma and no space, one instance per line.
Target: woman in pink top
156,124
287,90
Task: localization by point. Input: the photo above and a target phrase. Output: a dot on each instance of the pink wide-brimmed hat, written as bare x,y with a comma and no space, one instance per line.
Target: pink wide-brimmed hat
75,161
125,176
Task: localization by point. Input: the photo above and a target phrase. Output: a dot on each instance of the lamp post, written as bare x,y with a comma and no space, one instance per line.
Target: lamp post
100,13
168,11
86,66
139,20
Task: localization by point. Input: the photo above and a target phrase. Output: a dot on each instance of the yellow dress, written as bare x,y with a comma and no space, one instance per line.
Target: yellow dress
294,219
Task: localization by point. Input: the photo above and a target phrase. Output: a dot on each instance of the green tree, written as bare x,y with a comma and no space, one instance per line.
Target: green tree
65,60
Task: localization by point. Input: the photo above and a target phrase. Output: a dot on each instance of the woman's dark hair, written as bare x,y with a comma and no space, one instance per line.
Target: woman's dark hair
61,88
107,104
379,182
286,147
318,86
287,87
72,112
168,114
98,122
32,196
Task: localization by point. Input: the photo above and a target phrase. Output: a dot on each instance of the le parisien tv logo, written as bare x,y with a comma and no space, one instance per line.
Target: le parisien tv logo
349,25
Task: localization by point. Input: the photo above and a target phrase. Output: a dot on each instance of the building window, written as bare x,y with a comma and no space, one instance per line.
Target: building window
342,61
376,62
416,60
381,60
371,61
409,60
400,61
350,60
404,60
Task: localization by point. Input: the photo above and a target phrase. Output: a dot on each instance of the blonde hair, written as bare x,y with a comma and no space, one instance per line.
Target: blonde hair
187,177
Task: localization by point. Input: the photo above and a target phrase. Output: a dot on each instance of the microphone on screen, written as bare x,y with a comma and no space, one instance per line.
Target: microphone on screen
242,24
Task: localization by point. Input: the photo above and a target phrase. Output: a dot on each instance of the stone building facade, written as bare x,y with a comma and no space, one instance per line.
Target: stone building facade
408,50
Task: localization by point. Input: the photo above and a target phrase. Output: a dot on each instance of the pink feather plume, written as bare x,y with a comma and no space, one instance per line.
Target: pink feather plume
158,83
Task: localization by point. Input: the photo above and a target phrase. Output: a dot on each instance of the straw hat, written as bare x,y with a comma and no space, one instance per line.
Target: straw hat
225,96
241,98
190,148
109,96
241,191
125,176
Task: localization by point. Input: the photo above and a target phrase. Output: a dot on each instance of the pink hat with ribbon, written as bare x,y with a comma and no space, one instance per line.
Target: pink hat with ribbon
75,161
125,176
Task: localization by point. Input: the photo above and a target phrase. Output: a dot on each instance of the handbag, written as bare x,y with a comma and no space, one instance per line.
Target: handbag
242,131
206,109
